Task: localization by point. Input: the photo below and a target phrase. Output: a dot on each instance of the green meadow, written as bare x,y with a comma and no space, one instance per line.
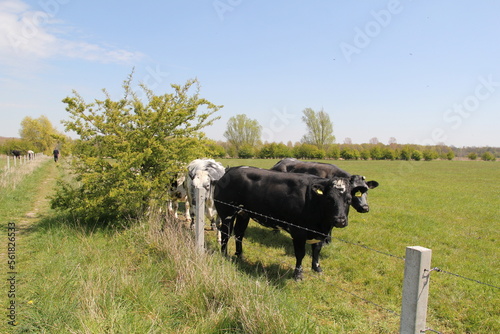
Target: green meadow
147,277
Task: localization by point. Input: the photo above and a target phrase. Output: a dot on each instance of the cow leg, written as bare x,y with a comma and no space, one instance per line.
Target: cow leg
226,229
316,248
239,232
175,207
187,206
299,246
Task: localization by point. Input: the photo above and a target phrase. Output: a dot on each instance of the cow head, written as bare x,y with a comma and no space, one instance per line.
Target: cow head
359,189
335,198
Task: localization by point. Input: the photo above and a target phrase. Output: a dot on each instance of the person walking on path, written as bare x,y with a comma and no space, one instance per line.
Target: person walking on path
56,155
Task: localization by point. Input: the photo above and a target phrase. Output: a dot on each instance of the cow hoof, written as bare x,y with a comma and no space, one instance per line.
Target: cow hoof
297,274
317,269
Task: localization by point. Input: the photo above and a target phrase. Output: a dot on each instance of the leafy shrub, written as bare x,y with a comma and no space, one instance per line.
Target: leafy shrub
131,150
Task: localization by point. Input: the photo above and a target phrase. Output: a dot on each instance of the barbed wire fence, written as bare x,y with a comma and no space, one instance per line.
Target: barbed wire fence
199,228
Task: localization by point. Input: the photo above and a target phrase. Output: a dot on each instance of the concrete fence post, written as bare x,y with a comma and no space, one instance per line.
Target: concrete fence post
8,162
415,290
200,219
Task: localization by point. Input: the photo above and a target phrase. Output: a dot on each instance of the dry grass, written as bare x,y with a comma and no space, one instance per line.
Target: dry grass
10,178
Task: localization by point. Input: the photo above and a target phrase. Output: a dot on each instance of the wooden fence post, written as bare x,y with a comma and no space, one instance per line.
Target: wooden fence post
200,219
8,162
415,290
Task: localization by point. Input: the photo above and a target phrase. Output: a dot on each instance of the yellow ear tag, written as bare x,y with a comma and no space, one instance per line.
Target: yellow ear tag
319,192
358,194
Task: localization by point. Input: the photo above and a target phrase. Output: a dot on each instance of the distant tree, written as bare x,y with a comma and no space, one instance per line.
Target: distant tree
450,155
472,156
488,156
430,154
10,144
131,149
274,150
374,141
365,154
40,133
349,154
348,141
416,155
215,150
308,151
246,151
319,128
376,153
405,153
242,130
392,141
333,152
388,154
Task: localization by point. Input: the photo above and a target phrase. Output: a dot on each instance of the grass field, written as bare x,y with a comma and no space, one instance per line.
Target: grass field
75,279
452,208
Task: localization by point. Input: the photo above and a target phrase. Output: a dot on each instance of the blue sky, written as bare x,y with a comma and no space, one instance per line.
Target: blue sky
422,72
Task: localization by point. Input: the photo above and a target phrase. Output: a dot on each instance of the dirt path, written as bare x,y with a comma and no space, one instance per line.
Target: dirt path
38,205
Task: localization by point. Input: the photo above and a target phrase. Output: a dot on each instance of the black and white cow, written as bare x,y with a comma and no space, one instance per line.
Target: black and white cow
16,154
177,192
203,173
306,206
359,185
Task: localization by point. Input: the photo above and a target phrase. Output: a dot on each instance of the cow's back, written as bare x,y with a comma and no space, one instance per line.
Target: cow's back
320,169
284,196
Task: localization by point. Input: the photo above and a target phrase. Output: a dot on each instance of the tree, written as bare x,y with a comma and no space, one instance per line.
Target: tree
40,133
416,155
472,156
130,150
243,131
488,156
319,128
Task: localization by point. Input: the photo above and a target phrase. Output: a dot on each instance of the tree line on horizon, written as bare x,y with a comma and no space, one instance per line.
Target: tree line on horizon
243,141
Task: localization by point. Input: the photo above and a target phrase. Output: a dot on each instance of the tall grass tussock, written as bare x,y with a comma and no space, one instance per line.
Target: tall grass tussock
148,278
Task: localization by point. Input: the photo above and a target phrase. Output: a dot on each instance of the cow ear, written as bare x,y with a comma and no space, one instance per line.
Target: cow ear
372,184
318,189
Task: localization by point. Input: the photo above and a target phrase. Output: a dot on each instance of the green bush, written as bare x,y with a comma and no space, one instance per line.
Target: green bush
488,156
131,150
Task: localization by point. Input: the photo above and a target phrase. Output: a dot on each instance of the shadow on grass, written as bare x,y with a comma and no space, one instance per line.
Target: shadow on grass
276,270
57,220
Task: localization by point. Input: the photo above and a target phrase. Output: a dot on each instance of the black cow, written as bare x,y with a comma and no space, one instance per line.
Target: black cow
16,154
359,185
306,206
